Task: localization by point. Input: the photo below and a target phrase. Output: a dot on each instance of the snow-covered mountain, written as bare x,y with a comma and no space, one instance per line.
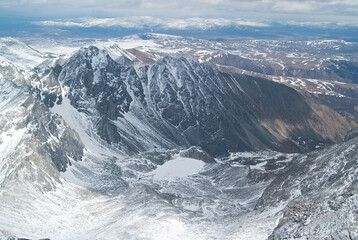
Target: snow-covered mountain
96,144
178,102
20,54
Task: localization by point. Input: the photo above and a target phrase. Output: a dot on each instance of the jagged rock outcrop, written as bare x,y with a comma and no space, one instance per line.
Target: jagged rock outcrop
351,134
178,102
38,131
320,190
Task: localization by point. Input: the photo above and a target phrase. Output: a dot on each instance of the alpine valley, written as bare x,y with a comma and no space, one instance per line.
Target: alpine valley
155,136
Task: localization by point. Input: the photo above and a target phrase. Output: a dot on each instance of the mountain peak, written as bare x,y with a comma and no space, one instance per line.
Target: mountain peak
170,60
95,56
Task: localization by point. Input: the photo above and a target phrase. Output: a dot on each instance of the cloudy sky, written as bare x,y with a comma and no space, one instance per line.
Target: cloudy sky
209,19
337,11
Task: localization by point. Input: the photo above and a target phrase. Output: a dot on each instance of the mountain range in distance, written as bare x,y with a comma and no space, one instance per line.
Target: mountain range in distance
216,29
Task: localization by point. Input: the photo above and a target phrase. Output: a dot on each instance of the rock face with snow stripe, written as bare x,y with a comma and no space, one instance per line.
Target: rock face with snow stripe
28,127
185,103
200,102
96,85
178,102
91,73
46,86
60,142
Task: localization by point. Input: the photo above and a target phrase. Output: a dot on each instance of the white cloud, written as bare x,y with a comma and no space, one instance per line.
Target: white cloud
139,22
290,6
229,9
211,1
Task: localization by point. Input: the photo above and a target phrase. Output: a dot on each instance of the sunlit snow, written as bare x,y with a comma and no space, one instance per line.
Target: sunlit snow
177,168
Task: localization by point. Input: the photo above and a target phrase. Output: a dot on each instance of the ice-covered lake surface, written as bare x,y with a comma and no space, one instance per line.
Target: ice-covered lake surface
177,168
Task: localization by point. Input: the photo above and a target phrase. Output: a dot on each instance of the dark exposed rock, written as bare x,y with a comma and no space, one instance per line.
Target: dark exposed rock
186,104
93,76
351,134
48,126
197,153
108,131
159,158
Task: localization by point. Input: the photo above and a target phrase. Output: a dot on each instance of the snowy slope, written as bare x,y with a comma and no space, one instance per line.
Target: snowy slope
320,190
17,52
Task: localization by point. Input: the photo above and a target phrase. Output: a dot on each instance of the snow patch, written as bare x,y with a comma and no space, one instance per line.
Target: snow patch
179,167
81,123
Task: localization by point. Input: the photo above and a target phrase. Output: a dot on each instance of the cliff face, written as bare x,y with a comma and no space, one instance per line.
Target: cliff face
180,102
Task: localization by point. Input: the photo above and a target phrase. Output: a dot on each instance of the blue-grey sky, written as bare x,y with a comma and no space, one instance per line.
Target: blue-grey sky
210,19
337,11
